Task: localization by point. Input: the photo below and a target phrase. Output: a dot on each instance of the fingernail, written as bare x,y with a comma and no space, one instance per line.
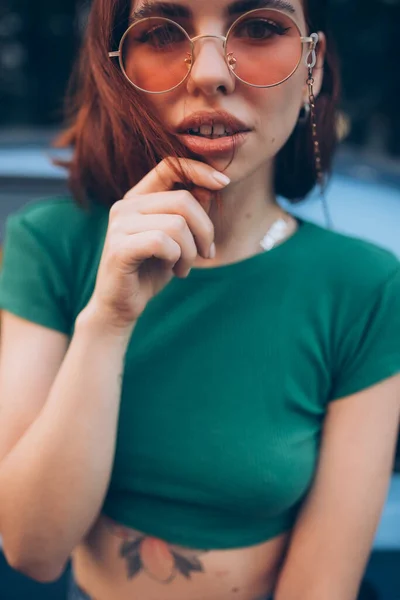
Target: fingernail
213,251
221,178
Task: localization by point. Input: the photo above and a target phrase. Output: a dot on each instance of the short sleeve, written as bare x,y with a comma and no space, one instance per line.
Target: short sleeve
369,350
32,279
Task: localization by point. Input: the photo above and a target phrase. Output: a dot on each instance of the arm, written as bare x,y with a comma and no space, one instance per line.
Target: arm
53,481
334,534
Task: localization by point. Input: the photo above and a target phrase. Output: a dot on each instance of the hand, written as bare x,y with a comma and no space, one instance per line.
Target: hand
153,233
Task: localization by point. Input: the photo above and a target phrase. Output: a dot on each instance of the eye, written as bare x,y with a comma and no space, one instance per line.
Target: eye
162,36
260,29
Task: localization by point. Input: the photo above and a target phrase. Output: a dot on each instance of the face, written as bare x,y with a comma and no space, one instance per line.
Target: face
268,114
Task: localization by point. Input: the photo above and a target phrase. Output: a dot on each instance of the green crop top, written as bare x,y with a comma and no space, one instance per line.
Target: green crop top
228,373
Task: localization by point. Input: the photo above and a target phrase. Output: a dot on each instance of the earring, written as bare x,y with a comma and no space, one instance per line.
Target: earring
304,113
316,146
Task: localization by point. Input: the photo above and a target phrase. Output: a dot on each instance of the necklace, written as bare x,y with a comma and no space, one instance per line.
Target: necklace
275,234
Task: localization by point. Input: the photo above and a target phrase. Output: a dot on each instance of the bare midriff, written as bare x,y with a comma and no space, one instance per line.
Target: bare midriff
117,563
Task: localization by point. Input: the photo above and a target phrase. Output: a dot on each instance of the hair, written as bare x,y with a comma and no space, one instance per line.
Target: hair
295,170
116,139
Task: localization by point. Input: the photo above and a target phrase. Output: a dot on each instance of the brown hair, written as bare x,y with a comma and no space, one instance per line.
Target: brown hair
295,172
116,140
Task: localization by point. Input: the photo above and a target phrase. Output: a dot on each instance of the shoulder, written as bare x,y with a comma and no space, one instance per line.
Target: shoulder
353,264
59,224
50,250
58,215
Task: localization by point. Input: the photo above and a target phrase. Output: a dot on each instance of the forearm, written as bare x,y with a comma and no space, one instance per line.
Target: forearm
315,585
323,561
53,482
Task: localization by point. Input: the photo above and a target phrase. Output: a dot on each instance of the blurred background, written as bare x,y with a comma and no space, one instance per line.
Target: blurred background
38,43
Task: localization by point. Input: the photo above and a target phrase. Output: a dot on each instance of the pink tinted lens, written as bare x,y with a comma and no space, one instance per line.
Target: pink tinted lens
266,46
155,55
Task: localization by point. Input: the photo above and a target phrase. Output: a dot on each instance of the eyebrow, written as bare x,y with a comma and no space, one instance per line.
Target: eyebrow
151,8
242,6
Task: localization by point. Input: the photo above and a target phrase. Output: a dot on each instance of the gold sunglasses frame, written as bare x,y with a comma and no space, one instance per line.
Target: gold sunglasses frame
311,58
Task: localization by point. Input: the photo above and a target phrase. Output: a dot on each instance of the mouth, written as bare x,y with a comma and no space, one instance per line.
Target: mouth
212,132
212,125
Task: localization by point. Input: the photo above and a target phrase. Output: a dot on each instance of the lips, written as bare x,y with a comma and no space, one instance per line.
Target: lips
215,119
219,146
196,132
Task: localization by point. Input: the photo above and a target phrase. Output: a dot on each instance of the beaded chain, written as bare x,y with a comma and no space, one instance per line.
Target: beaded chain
316,145
317,151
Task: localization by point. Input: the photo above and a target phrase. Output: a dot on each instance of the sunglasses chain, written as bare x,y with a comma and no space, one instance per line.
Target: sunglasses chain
316,146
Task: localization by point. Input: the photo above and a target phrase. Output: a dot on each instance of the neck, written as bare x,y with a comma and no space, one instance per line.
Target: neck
249,208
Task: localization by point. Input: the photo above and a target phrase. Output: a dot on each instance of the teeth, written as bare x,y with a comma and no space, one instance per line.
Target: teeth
214,131
206,130
219,129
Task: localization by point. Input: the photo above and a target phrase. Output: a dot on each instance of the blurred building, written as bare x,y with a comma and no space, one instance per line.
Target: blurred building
367,36
38,41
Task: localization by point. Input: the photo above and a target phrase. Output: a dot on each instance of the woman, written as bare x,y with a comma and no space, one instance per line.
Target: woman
211,393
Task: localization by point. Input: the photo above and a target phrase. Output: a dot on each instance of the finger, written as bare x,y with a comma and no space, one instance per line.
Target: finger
176,228
180,202
150,244
169,172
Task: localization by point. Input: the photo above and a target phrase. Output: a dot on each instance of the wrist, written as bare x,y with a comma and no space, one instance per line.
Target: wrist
93,320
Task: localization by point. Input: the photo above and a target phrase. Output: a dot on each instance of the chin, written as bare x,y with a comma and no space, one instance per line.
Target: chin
248,159
243,166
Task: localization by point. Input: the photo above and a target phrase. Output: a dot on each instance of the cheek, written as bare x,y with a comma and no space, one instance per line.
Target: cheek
157,104
169,108
278,109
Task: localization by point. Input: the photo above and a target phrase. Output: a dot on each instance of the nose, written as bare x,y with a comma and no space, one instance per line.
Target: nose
210,73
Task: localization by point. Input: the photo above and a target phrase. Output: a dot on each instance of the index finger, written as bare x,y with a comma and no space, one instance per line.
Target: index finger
171,171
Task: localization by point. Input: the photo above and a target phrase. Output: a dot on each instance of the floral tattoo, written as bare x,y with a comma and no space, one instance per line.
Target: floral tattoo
161,561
